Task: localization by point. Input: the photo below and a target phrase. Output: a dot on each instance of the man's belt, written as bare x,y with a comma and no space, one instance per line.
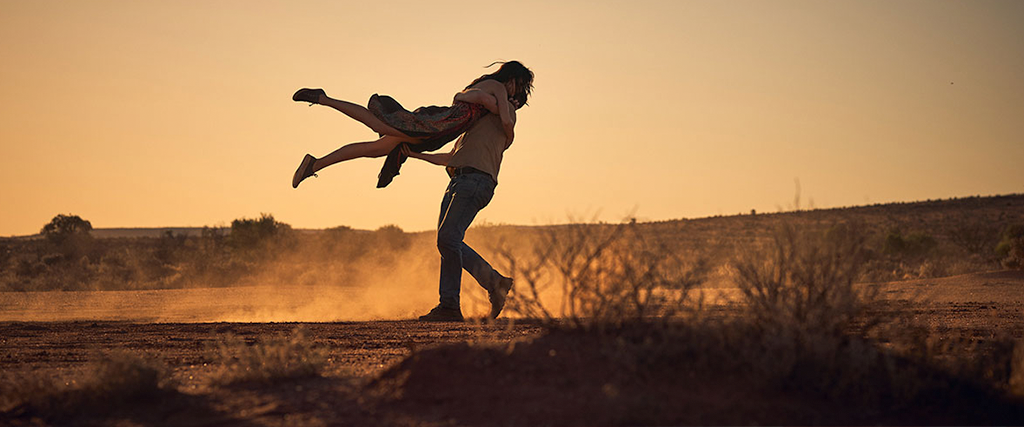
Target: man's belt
465,170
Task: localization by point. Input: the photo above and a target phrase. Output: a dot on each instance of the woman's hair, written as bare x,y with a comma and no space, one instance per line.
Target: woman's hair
513,71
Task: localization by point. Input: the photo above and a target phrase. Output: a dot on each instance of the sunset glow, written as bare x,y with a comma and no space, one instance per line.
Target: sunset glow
151,114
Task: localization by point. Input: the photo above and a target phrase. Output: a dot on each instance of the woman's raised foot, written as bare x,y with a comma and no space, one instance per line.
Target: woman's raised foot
304,171
312,96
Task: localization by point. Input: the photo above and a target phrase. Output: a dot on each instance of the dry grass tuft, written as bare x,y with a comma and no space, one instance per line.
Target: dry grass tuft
278,358
116,381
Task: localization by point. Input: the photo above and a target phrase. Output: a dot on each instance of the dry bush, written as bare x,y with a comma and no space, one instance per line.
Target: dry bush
601,275
799,300
806,327
997,361
278,358
806,323
1011,248
838,369
805,280
973,236
116,381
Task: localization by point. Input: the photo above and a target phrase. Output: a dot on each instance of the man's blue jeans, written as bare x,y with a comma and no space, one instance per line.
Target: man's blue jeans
466,195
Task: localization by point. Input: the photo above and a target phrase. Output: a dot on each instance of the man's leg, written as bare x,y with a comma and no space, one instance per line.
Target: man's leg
497,286
466,195
479,268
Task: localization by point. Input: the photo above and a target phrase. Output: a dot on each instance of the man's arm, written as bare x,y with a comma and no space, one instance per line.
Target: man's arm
440,159
499,95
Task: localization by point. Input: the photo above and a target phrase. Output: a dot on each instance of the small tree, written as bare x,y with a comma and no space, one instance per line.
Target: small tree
249,233
70,235
393,237
64,227
258,239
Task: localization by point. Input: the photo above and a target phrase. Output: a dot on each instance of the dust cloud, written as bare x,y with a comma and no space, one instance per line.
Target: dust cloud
388,283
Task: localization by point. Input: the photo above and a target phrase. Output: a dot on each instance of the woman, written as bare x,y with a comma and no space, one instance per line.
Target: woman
424,129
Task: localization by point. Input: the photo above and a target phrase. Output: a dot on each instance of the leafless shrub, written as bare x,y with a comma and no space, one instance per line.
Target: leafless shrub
809,326
805,326
278,358
805,280
601,275
975,237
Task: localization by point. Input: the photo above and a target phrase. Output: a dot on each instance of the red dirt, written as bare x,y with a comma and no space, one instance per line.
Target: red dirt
468,374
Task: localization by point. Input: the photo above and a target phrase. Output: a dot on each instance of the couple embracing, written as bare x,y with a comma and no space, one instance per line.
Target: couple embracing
483,118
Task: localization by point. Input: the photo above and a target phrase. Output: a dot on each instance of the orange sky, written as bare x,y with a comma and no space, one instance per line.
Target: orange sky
151,113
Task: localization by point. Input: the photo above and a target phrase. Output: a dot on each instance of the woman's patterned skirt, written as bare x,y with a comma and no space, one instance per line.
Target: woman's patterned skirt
434,125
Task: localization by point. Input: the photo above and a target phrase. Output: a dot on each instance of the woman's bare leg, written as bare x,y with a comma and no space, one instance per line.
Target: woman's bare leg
361,114
378,148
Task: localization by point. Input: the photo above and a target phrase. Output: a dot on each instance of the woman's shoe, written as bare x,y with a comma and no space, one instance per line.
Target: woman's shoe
312,96
304,171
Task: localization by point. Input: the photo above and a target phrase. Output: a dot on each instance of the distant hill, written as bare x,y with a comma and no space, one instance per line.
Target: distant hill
115,233
157,232
105,233
144,232
999,208
982,217
938,214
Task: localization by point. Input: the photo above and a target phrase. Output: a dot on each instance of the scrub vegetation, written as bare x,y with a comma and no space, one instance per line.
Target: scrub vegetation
793,318
902,241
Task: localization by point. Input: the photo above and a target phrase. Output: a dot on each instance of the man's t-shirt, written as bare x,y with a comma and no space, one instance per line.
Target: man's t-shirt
482,146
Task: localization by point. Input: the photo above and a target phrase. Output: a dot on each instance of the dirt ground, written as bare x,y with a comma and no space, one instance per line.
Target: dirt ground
367,357
358,348
357,352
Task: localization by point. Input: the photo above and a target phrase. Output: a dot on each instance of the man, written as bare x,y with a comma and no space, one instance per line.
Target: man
473,165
